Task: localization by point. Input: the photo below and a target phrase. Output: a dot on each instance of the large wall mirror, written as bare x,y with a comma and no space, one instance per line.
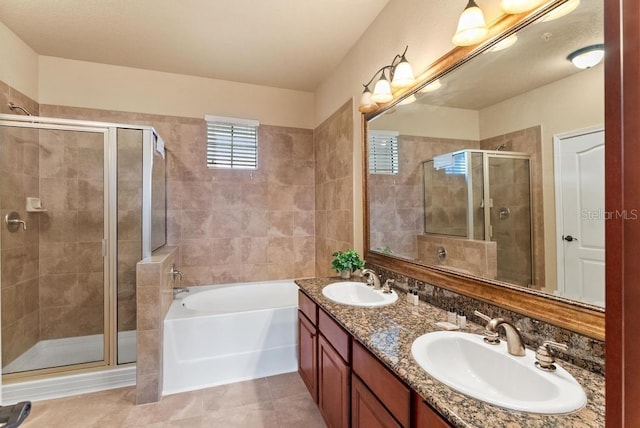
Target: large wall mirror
492,171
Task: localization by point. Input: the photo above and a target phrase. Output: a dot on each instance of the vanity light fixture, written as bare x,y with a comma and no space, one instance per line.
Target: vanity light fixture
401,75
472,28
587,57
518,6
562,10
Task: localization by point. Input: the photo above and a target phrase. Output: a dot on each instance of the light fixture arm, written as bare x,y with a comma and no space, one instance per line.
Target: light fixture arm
392,66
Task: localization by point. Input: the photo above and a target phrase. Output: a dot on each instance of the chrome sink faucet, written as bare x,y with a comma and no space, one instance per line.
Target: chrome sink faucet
515,343
372,278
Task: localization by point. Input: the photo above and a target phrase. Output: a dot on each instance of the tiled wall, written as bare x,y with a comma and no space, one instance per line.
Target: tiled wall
333,141
154,284
396,205
19,166
233,226
528,141
465,255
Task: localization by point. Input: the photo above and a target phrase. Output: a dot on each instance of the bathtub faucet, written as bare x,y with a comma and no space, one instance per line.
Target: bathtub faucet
175,273
178,290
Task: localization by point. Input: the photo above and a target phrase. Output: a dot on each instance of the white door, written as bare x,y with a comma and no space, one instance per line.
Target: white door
579,167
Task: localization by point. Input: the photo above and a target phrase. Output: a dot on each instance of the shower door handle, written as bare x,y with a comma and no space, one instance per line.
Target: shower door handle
569,238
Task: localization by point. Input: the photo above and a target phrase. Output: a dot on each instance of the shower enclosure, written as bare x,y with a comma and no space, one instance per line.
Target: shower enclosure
81,203
484,195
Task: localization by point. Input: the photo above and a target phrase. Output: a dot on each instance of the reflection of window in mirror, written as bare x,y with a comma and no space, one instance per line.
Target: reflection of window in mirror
499,220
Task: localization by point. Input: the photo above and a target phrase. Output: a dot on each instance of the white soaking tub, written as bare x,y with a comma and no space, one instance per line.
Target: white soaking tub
219,334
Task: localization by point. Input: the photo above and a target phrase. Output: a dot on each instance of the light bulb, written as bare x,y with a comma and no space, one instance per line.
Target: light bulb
403,75
366,101
472,27
382,90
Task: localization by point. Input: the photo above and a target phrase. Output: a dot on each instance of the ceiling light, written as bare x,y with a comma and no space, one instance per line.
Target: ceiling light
382,90
401,75
562,10
433,86
518,6
504,43
587,57
366,101
472,28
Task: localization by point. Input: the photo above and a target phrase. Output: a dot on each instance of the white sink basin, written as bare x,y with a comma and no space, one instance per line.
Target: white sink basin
488,373
357,294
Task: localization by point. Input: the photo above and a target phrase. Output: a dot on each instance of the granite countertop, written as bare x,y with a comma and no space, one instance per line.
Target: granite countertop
389,331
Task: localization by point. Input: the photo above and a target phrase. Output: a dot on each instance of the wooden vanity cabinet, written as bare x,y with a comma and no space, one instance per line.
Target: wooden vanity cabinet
392,395
334,372
366,410
308,354
352,387
424,416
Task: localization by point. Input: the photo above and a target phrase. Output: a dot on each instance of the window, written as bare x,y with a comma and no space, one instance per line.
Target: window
231,142
383,152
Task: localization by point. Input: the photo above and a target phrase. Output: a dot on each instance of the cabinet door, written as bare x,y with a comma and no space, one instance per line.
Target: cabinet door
366,409
333,386
307,355
425,416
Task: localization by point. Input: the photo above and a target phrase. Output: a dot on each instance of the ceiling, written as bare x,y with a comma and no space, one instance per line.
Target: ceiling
293,44
538,58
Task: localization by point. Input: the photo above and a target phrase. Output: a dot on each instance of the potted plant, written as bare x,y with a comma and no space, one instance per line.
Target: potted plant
346,262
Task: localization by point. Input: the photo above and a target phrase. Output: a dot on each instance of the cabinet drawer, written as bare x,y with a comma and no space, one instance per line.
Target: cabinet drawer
308,307
335,335
395,395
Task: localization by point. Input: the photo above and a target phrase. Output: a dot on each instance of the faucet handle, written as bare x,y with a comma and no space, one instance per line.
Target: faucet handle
487,318
386,288
490,336
544,357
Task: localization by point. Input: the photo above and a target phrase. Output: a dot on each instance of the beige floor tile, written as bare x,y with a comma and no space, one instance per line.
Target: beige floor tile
298,411
236,395
275,402
260,415
285,385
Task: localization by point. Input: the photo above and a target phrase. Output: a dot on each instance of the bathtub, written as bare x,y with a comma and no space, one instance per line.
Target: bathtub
219,334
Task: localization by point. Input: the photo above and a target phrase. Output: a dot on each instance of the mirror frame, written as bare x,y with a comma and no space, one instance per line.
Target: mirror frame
582,318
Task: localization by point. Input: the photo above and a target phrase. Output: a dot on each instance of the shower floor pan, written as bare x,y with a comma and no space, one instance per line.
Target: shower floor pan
71,350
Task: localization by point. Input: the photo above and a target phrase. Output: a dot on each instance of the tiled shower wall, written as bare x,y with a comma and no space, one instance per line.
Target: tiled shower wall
19,253
232,226
334,182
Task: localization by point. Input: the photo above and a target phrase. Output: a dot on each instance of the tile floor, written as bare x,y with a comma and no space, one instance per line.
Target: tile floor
278,401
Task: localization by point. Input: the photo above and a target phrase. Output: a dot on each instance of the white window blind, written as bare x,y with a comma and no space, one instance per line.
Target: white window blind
383,152
232,142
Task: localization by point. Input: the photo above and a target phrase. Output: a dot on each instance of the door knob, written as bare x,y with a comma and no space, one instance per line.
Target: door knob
569,238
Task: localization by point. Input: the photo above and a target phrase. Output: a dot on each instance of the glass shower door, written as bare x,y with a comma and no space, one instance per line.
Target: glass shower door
510,219
54,268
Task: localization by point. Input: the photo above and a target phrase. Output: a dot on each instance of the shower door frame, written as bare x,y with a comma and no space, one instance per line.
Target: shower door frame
110,241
